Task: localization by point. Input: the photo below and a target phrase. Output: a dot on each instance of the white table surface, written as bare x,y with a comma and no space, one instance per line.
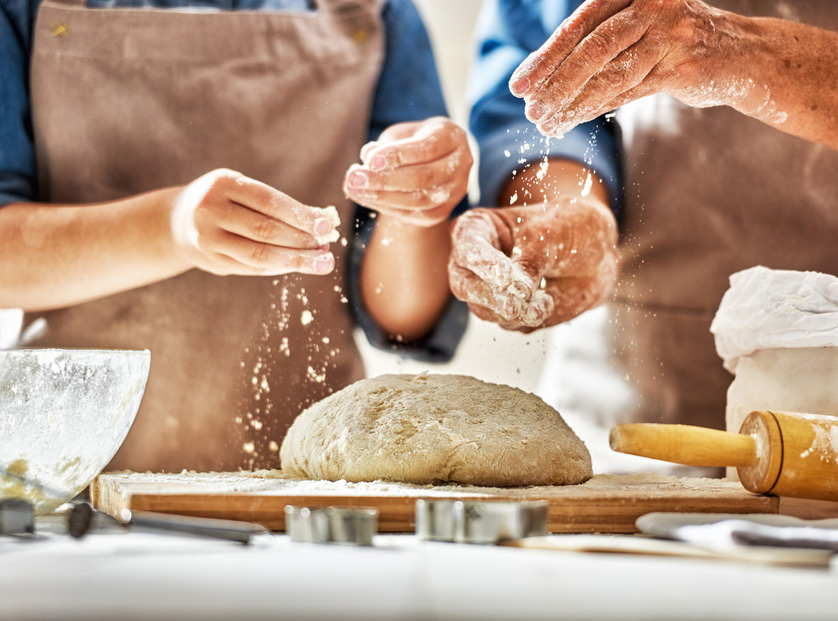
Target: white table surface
141,576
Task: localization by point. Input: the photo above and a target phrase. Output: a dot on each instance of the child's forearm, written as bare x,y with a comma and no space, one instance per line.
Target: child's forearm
404,279
53,256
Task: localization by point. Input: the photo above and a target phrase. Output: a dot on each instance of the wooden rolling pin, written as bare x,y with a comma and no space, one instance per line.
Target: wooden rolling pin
778,453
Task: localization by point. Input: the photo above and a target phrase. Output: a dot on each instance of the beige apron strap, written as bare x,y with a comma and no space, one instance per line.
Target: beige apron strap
332,6
71,3
343,7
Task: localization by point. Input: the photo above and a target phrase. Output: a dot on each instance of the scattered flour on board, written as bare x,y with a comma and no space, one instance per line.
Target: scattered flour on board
273,482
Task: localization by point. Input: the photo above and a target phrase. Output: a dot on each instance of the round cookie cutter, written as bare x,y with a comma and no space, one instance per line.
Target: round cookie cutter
331,525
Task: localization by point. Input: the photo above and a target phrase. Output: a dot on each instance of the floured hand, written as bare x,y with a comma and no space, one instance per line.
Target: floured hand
226,223
611,52
416,172
531,267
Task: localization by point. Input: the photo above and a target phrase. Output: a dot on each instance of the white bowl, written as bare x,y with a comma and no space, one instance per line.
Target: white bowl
63,415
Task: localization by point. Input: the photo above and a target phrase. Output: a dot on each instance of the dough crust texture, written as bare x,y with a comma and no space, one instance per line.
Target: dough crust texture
434,428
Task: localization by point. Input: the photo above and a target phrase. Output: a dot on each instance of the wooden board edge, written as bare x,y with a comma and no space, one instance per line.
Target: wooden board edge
397,514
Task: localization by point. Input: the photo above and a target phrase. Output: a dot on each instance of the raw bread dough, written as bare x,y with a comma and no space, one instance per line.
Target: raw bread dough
433,428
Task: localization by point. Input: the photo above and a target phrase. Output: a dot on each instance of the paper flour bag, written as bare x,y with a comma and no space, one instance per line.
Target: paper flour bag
777,332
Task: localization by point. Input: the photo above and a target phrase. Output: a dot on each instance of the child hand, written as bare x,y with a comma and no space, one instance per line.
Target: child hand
416,172
226,223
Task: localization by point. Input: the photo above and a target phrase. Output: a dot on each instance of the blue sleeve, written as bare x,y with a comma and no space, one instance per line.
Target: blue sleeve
17,152
507,32
408,90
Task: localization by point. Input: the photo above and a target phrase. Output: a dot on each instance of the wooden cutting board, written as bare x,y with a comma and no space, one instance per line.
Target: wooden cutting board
605,504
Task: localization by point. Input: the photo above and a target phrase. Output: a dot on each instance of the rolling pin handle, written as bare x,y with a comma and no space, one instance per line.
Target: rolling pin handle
684,444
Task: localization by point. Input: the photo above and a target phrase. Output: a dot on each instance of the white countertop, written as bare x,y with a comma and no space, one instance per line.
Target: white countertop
138,576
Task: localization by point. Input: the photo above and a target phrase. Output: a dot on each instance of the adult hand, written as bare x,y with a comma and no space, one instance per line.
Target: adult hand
531,267
416,172
226,223
611,52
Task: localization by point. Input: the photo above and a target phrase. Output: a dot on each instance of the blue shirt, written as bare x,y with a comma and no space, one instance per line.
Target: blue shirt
507,32
408,89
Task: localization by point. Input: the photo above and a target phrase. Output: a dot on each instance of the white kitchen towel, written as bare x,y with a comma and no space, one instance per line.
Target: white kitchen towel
775,309
720,530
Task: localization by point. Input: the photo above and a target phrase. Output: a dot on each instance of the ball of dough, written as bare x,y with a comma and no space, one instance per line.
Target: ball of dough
434,428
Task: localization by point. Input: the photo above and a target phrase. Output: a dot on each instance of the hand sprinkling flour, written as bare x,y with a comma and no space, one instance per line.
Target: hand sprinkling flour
611,52
416,172
226,223
413,176
531,266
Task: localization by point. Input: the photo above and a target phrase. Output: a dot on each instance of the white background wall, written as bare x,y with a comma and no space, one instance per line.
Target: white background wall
450,24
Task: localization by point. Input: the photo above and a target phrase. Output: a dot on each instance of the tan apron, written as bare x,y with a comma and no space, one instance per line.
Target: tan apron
710,192
128,100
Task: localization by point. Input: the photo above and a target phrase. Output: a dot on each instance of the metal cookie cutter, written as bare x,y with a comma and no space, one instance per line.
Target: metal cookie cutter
464,521
17,517
331,525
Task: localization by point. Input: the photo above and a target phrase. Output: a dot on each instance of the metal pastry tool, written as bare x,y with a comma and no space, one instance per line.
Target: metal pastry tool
17,517
331,525
83,518
480,522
